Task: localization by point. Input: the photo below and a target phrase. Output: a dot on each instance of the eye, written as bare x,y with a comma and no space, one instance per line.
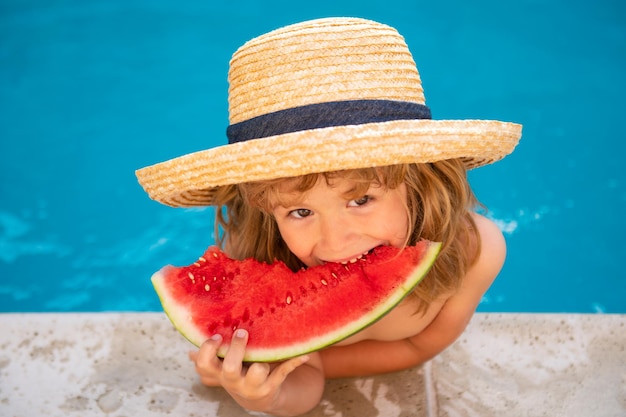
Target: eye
300,213
360,201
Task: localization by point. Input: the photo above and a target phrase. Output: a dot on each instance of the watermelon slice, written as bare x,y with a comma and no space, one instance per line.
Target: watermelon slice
288,313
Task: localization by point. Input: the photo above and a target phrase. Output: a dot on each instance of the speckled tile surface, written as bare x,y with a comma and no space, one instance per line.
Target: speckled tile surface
115,364
136,365
535,365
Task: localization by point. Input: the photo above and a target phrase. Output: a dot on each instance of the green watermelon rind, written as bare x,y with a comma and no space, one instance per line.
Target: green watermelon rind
178,313
181,318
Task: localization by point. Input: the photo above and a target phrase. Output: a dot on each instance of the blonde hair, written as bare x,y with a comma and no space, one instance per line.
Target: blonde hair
439,206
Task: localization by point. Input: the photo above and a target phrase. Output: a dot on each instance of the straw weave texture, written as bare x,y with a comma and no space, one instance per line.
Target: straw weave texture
326,60
317,62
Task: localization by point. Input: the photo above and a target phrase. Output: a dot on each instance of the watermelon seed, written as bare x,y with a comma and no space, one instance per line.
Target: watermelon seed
192,278
324,282
207,287
202,259
288,299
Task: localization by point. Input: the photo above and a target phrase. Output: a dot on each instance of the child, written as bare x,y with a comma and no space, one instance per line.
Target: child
331,153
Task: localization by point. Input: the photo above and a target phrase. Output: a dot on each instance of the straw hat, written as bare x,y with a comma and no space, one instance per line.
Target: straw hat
324,95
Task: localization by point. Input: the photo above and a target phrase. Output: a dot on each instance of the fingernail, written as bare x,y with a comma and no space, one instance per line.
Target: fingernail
216,337
241,333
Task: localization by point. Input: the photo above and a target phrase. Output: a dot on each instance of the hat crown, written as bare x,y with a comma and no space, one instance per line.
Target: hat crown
318,61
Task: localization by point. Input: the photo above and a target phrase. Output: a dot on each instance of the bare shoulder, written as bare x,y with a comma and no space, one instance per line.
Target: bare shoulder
460,306
458,309
492,253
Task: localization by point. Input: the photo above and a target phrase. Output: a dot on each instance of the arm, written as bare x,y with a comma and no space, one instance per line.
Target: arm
289,388
370,357
374,357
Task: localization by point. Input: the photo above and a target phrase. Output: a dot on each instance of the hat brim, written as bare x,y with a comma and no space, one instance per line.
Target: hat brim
190,180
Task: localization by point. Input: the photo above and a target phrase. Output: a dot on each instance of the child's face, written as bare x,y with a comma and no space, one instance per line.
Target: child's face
327,226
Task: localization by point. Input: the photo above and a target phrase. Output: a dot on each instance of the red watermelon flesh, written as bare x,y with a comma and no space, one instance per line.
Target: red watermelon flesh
288,313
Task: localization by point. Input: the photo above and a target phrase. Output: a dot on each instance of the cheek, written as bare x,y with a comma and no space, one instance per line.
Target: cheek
399,229
300,247
284,231
391,227
293,238
399,219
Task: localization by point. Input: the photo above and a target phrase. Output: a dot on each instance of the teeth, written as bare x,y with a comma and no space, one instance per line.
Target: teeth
353,260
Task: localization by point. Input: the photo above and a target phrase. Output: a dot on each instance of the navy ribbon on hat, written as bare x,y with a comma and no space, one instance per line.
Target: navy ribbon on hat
315,116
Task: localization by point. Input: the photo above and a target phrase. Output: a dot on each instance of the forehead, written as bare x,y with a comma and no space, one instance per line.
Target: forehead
294,190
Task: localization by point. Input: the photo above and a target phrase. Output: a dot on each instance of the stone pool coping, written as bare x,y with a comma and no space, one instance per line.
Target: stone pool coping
135,364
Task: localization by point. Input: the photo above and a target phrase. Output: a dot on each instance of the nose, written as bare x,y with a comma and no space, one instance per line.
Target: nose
335,234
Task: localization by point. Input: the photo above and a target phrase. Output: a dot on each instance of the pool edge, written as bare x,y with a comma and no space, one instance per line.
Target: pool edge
120,363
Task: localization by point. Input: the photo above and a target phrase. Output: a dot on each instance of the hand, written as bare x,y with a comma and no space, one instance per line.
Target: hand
257,386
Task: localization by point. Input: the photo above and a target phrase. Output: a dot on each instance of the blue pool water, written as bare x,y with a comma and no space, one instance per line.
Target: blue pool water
91,90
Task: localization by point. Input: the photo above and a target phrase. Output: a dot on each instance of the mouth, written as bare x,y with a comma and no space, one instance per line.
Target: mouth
356,259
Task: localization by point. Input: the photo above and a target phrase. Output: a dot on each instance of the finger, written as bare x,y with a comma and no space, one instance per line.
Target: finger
257,373
207,364
284,369
206,357
233,361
